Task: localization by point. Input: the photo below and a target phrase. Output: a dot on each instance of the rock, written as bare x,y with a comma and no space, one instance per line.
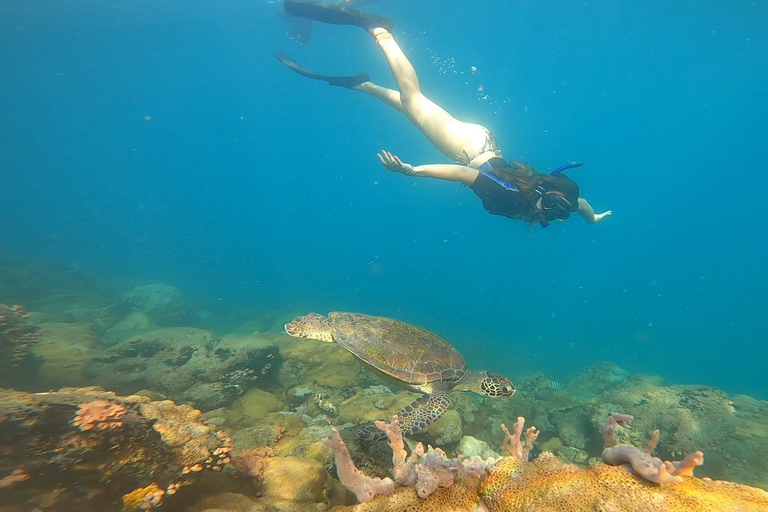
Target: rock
551,445
255,437
571,454
163,304
470,447
743,404
64,350
295,484
252,407
362,407
134,324
229,502
187,364
596,379
327,364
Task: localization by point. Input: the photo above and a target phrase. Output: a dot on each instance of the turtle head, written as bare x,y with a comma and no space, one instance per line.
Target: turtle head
489,384
311,327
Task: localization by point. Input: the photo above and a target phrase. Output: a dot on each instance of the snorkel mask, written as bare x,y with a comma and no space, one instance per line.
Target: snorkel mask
554,205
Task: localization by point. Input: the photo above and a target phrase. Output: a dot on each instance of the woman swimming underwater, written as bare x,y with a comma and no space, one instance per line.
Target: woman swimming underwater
511,189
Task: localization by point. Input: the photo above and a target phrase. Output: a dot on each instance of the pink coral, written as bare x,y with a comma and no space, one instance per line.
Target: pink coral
364,487
99,414
643,464
402,468
428,470
512,443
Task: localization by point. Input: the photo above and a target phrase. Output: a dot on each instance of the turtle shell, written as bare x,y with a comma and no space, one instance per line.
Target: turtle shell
406,353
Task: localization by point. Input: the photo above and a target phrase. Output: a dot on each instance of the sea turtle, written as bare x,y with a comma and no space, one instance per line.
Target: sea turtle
408,356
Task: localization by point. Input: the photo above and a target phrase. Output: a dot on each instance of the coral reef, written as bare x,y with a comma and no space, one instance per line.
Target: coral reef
88,449
17,336
186,364
548,484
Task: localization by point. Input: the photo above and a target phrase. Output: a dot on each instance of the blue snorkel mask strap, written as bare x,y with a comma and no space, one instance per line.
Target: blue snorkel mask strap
564,168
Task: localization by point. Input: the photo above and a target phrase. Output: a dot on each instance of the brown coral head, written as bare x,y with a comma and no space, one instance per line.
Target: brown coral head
100,415
252,462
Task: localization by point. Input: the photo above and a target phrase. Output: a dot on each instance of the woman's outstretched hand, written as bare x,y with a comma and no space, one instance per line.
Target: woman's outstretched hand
393,163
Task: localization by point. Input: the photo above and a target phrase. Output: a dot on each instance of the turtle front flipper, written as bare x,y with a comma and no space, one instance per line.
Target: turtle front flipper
414,417
422,412
370,432
311,326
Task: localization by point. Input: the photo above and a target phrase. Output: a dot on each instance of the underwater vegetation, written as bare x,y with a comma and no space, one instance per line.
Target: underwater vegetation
177,409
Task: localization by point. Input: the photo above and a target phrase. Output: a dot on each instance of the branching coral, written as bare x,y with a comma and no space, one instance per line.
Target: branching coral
643,464
364,487
512,443
427,471
547,483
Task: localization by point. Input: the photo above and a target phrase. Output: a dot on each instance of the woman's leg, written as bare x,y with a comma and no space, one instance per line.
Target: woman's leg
389,96
454,138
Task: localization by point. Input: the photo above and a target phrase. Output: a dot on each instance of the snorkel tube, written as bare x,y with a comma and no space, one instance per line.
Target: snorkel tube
564,168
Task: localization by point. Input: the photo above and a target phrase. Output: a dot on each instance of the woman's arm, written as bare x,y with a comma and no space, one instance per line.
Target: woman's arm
588,213
449,172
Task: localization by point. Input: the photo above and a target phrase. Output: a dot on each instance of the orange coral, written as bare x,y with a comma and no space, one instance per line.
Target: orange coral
14,478
99,414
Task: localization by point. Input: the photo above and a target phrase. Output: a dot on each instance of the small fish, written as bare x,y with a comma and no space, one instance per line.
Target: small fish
553,384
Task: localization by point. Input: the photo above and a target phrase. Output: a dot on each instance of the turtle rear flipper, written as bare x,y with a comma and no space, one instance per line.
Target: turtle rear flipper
311,326
414,417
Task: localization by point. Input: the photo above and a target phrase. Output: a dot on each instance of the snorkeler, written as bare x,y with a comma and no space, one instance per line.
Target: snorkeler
513,189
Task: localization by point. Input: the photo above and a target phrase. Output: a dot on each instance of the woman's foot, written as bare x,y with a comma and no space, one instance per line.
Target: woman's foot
380,33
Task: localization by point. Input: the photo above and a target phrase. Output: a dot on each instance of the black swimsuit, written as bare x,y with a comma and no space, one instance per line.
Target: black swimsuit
499,197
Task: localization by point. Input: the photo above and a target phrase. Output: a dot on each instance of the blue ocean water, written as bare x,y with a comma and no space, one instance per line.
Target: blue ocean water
163,140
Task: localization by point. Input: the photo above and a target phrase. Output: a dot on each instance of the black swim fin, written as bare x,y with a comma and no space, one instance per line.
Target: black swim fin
336,14
340,81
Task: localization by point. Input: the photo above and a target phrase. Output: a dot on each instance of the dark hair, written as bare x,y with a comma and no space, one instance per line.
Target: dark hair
533,185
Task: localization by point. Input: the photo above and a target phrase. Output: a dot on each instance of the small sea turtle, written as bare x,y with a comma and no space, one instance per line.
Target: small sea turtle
408,356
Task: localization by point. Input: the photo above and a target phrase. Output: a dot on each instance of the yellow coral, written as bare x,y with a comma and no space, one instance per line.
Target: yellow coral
142,498
550,485
461,496
547,484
